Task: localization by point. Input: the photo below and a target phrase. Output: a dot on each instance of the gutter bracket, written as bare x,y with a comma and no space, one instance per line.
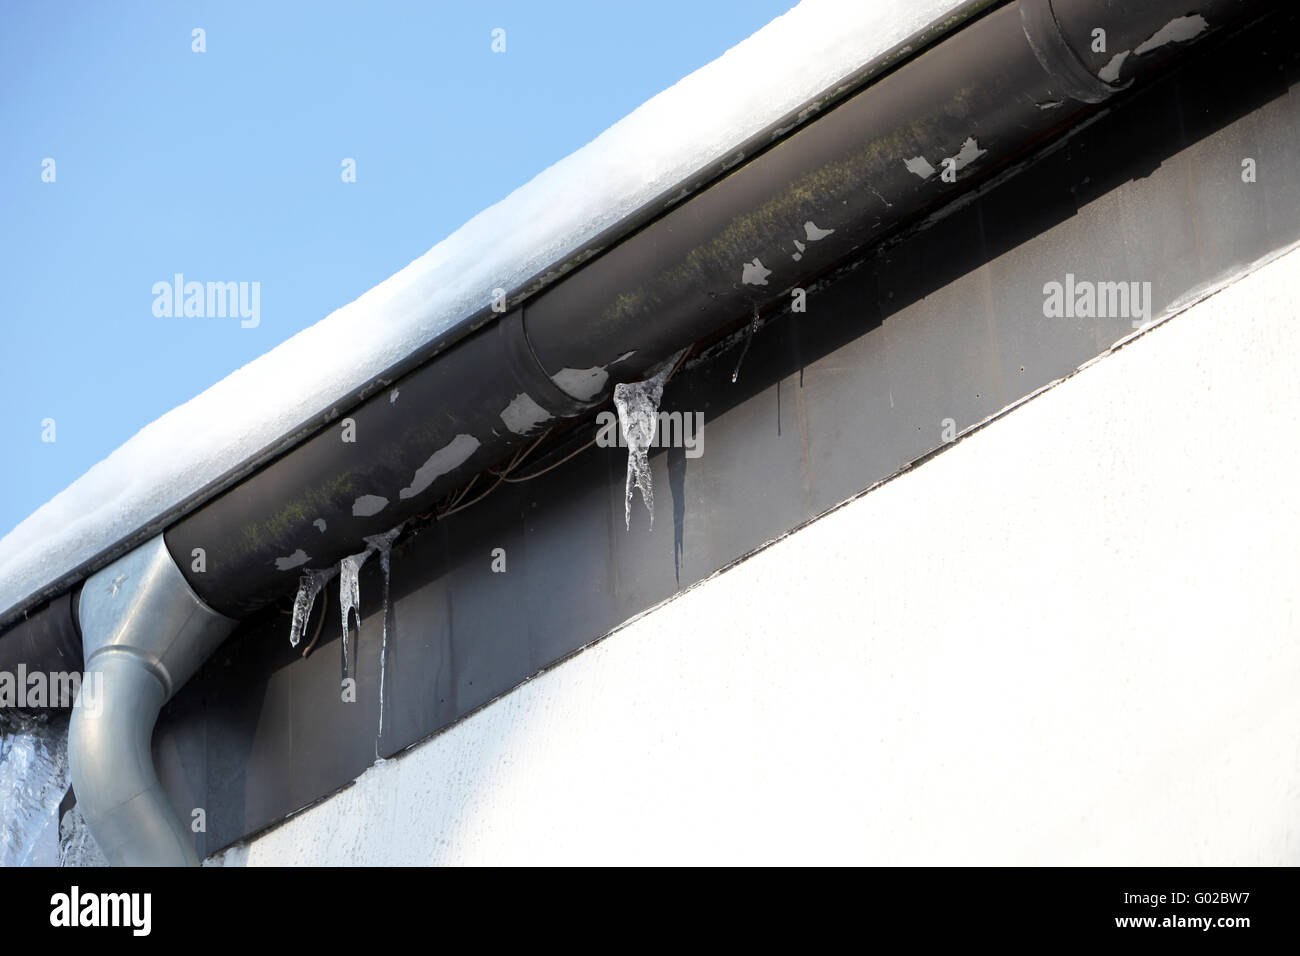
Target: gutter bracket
1057,57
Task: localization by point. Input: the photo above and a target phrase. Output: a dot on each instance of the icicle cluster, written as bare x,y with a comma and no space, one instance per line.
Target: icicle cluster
349,573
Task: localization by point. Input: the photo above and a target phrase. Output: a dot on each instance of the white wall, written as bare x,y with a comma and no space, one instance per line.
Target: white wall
1072,638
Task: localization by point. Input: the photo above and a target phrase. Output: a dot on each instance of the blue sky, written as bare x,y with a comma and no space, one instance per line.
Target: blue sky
226,165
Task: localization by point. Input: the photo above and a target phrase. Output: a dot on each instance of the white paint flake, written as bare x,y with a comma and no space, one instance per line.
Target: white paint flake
969,152
451,456
1179,30
523,414
368,505
920,166
295,560
583,384
755,273
1110,72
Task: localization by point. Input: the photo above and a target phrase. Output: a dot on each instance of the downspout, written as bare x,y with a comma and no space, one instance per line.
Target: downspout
145,633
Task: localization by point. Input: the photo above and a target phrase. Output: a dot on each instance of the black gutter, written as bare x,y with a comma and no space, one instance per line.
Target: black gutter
1010,81
466,324
48,642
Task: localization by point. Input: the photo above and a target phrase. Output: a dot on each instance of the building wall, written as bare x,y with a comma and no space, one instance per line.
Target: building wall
926,335
1071,637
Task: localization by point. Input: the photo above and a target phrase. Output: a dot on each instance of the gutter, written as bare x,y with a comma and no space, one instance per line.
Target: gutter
696,182
918,137
973,104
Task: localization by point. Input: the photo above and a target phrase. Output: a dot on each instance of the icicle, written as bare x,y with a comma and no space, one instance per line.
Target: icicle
383,543
638,417
350,595
34,776
77,846
309,586
350,587
749,337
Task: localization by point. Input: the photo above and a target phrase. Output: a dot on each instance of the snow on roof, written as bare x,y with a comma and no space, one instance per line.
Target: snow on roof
659,146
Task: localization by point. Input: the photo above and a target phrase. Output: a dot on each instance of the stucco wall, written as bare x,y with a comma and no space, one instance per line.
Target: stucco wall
1073,637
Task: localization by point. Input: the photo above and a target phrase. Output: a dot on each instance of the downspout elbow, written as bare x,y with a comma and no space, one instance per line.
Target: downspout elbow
145,632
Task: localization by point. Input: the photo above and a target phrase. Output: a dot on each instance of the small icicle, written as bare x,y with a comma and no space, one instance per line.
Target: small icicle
383,543
749,337
309,586
638,417
350,595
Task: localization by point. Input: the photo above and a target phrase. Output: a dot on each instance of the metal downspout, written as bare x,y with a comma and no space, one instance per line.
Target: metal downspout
145,632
